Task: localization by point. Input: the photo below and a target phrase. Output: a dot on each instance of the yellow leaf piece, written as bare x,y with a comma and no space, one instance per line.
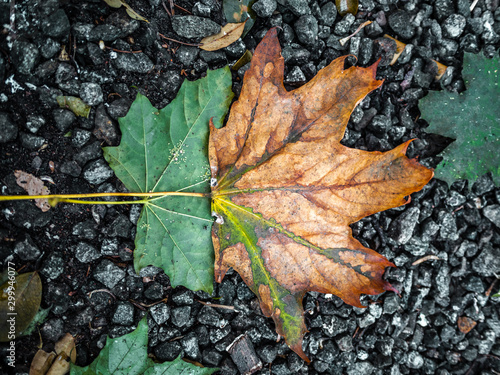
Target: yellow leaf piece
229,34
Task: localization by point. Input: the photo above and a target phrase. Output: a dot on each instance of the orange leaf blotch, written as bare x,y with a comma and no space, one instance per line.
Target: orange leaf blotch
234,256
266,302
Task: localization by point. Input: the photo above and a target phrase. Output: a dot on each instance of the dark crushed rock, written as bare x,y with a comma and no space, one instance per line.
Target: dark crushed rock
194,27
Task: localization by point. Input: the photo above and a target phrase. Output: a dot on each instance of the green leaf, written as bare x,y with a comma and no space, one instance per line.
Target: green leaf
166,151
472,118
21,296
237,11
128,355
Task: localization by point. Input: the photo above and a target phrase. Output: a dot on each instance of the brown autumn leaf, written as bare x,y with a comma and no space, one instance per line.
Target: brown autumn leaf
33,186
466,324
285,190
228,34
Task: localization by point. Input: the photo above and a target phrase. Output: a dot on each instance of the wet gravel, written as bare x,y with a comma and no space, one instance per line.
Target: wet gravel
84,254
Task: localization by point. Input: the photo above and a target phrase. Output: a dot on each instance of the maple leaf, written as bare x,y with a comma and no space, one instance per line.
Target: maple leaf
285,190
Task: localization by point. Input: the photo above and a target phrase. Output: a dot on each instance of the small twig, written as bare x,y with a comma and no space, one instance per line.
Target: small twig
490,289
178,41
344,40
119,50
101,290
218,306
166,9
181,8
426,258
149,305
473,5
171,2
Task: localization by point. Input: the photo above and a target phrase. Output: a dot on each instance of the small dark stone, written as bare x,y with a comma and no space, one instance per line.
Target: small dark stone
400,22
187,55
208,316
295,77
119,108
133,62
33,123
91,93
487,263
124,314
454,25
402,228
183,297
180,316
492,213
345,343
342,27
154,291
105,128
306,29
63,118
79,137
483,185
31,141
448,224
190,345
194,27
264,8
160,313
53,329
24,56
414,360
108,273
8,129
212,358
168,351
26,249
56,25
213,58
97,172
70,168
86,253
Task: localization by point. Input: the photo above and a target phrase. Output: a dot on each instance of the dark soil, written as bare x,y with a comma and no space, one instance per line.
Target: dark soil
414,333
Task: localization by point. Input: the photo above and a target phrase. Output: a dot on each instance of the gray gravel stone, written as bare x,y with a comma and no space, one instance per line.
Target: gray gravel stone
328,14
484,184
108,273
91,93
24,56
306,29
403,226
448,226
160,313
492,212
264,8
295,77
133,62
487,263
86,253
194,27
31,141
454,25
64,118
187,55
105,127
70,168
124,314
52,267
56,25
342,27
97,172
8,129
400,22
168,351
33,123
190,346
298,7
180,316
26,249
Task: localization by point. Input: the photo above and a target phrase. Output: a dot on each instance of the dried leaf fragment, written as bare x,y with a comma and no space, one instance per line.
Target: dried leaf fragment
400,46
33,186
20,295
287,190
132,13
228,34
76,105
